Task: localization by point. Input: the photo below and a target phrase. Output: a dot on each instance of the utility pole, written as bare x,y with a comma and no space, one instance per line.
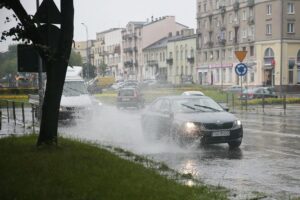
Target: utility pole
281,50
87,51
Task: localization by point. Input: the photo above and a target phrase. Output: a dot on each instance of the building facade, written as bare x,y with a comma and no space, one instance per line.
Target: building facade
266,29
107,51
139,35
181,57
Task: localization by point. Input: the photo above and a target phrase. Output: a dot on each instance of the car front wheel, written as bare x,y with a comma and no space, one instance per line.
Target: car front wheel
234,144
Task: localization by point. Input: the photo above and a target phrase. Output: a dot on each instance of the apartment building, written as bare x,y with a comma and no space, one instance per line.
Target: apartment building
138,35
84,49
266,29
107,52
181,51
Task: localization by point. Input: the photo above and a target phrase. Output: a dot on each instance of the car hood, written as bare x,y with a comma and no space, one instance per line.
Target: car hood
205,117
76,101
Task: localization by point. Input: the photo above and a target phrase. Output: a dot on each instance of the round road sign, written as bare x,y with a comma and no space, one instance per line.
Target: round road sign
241,69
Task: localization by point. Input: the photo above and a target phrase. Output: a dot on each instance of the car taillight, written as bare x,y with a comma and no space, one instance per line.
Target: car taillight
250,94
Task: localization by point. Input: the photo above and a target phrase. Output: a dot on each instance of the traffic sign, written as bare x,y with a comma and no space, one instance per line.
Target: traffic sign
240,55
241,69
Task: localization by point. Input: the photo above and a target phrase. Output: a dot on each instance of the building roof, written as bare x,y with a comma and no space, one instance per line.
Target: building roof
161,43
109,30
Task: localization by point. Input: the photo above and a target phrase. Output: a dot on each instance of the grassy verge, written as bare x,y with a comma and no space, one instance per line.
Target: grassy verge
109,97
75,170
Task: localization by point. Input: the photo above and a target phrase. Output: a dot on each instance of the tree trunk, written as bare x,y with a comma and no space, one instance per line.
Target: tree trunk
56,73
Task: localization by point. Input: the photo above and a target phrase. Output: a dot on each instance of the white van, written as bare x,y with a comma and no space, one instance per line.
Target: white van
75,101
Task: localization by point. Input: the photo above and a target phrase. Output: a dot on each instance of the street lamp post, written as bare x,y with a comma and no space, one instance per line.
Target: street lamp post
87,50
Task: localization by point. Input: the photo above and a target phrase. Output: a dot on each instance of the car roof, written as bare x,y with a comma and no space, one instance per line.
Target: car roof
191,92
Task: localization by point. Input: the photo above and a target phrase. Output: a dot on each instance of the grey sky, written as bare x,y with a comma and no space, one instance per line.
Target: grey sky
102,15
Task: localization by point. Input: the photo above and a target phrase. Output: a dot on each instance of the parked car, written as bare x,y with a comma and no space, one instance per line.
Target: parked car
130,97
233,89
193,93
191,118
258,93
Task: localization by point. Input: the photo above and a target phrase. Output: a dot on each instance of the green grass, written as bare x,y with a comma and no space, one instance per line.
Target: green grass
76,170
109,97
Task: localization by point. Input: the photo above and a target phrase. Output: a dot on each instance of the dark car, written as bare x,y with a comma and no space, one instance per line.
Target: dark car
258,93
233,89
130,97
191,118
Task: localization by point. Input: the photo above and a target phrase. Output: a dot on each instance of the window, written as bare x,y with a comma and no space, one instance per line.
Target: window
291,8
204,7
269,29
269,9
252,77
230,35
244,15
230,18
291,28
251,50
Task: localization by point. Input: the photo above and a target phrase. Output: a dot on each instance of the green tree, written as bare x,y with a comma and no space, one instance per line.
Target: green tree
8,61
75,59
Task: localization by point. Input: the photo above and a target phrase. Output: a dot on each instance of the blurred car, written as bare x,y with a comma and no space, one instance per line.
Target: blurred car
258,93
193,93
129,84
233,89
130,97
191,118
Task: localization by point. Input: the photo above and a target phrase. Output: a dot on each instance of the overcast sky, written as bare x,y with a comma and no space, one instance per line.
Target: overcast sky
100,15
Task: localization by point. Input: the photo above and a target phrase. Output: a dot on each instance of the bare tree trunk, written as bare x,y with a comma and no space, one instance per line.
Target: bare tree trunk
56,73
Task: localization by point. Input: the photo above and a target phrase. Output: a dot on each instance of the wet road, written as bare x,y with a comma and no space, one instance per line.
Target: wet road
267,162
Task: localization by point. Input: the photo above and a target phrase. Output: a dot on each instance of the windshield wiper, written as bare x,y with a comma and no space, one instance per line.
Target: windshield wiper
201,106
190,107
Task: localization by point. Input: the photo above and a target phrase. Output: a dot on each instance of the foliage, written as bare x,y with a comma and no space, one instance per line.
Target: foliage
75,59
74,170
8,61
102,69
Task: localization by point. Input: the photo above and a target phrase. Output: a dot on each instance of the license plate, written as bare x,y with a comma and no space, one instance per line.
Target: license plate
125,99
220,133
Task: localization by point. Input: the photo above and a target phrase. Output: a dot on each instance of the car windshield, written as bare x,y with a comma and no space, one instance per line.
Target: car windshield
74,88
195,105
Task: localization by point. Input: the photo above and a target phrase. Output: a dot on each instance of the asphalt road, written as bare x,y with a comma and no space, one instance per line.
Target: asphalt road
267,162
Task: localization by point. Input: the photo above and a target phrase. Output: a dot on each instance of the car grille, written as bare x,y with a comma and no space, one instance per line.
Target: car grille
214,126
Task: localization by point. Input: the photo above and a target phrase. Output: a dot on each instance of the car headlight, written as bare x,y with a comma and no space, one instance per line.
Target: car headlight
237,124
190,128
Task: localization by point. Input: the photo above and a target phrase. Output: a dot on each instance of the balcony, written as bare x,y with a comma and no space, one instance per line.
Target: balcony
236,23
152,63
222,42
169,61
191,59
199,32
236,6
222,9
209,44
251,21
128,64
251,3
130,50
222,27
